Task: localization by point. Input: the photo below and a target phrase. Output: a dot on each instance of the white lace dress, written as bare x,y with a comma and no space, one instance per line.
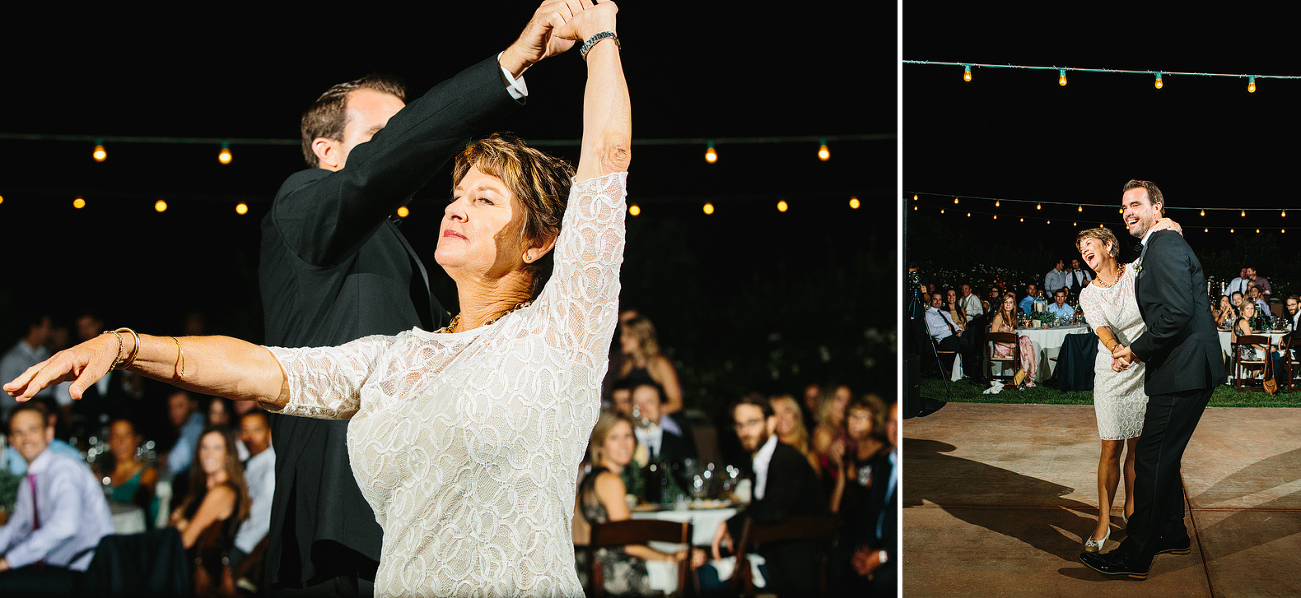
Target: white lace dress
467,445
1118,398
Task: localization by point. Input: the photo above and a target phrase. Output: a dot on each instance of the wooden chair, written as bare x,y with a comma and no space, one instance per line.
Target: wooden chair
617,534
1241,366
1014,359
944,359
820,529
1291,366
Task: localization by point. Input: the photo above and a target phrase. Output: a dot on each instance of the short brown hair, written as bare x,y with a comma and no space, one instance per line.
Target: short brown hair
328,115
538,180
1104,236
1153,194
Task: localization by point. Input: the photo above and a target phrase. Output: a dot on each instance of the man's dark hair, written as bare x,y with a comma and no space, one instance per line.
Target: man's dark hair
328,115
659,388
37,407
266,419
1153,194
755,399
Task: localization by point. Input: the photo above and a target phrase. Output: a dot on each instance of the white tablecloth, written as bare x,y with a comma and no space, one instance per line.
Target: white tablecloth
664,576
1047,344
1226,347
127,518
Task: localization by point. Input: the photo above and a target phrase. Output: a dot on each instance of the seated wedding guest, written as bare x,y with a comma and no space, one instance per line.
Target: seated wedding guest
1261,282
946,335
260,475
809,406
1225,314
14,461
790,427
220,414
602,498
851,497
872,559
183,411
1239,284
667,437
215,505
1058,308
621,396
1243,327
1253,293
1055,280
1005,321
784,485
1027,303
955,310
59,516
642,359
993,299
971,303
130,479
1287,344
831,424
30,350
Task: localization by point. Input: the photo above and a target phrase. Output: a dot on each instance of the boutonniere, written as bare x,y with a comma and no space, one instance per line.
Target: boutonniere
1138,265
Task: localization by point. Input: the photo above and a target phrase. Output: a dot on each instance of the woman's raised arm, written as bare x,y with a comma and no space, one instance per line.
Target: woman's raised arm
214,365
607,113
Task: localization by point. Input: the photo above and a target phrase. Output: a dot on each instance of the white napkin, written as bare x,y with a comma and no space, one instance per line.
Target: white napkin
995,387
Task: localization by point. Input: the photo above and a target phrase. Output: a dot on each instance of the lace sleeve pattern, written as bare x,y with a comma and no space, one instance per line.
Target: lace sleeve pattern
325,382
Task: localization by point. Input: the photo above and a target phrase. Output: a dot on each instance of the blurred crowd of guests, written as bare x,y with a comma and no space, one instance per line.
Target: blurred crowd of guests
201,466
830,452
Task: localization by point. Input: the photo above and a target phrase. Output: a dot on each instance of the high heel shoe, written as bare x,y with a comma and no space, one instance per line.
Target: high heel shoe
1091,545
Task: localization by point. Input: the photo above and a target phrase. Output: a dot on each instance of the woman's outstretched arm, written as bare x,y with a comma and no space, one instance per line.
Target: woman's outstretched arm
214,365
607,113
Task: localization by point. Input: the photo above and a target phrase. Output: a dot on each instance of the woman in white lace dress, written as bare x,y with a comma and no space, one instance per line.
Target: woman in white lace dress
1119,402
465,441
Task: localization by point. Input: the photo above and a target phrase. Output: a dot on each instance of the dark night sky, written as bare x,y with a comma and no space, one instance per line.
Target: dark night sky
700,71
1017,134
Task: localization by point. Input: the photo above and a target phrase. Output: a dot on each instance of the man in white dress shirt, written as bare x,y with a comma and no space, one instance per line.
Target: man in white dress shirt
971,303
949,337
1077,278
27,352
1056,278
260,474
59,517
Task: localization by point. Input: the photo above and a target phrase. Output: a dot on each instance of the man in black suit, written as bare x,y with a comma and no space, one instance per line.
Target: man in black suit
335,268
668,439
1182,352
784,485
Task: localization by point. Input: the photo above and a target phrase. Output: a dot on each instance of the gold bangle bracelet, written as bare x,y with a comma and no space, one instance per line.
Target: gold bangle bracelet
180,359
134,352
117,359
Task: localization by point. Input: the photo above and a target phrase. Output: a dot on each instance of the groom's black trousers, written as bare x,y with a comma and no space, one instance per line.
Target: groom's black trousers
1158,485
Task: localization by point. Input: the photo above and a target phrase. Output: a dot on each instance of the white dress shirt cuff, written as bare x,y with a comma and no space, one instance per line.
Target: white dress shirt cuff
517,89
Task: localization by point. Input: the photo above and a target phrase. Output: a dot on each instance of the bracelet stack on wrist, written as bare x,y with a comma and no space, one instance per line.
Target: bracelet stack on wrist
592,41
120,363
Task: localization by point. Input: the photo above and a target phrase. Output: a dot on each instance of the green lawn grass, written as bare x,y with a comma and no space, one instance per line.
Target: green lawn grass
963,391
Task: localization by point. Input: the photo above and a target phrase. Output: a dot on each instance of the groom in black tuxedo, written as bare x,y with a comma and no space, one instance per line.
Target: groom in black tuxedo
1182,352
335,268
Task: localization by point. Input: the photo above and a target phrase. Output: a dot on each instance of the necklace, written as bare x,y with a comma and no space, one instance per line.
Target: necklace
1119,271
457,319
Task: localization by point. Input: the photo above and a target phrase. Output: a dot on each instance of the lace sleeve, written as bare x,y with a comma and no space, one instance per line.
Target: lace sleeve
1091,303
581,301
325,382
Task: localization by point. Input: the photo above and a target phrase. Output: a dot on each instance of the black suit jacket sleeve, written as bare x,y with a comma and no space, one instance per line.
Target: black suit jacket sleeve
792,488
1167,286
324,216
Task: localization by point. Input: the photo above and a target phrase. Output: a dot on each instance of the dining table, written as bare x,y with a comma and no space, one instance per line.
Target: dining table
1226,348
705,516
1047,344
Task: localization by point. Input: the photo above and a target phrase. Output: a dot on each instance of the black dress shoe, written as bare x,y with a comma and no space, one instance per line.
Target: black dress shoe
1114,563
1183,546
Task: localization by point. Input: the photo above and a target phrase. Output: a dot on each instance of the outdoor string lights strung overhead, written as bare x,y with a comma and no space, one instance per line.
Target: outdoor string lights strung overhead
1225,218
1061,72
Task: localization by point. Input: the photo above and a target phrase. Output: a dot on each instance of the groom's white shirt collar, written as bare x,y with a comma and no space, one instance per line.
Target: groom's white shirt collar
1145,237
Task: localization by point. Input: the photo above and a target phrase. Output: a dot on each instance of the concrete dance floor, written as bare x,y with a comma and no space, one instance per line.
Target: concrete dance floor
998,499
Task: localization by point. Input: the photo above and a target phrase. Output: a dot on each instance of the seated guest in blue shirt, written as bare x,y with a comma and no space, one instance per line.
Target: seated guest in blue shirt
1027,303
17,465
59,517
1059,309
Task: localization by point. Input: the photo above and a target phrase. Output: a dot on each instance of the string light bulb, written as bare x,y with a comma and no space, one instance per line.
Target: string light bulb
1079,208
966,73
224,156
1283,214
782,206
403,212
854,203
1159,83
2,199
1038,206
160,206
1203,213
241,208
711,155
914,197
955,200
79,203
1061,77
99,154
1244,213
709,208
997,203
824,154
634,210
1251,84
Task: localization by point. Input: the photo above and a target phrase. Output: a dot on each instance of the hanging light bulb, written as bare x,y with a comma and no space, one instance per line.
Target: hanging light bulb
854,203
1049,222
224,156
1244,213
966,72
99,154
241,208
997,203
1159,83
709,208
2,199
79,203
1079,208
1203,212
634,210
824,154
914,197
782,206
160,206
403,212
1038,206
1206,230
1251,85
995,216
1023,220
711,156
1061,77
955,200
1283,214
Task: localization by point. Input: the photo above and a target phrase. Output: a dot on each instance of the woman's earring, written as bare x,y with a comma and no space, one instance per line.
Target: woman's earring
528,257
